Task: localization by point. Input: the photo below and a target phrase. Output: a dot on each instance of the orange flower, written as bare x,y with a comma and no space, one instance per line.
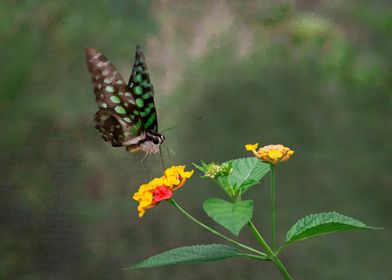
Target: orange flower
158,189
272,154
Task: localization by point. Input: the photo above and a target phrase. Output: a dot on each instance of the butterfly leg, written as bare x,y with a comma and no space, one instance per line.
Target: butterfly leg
146,156
144,171
147,168
163,163
149,165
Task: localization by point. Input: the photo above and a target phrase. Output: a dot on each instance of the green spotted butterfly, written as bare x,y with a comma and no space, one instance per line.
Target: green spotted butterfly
127,115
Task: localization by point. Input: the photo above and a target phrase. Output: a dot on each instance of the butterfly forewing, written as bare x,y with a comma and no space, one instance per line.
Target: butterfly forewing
115,118
143,93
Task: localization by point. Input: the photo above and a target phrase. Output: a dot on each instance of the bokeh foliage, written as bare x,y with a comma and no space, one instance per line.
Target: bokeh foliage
315,77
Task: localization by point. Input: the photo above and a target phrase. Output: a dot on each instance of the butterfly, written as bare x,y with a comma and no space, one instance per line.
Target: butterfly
126,115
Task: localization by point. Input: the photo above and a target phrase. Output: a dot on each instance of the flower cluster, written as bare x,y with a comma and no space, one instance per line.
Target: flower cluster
214,170
272,154
158,189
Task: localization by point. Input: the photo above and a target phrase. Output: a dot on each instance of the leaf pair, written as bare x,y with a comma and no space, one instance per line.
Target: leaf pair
235,177
310,226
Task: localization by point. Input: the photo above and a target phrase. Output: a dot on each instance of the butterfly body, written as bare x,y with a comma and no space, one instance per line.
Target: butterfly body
126,116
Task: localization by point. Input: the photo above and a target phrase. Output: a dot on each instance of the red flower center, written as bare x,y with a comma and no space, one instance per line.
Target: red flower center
162,193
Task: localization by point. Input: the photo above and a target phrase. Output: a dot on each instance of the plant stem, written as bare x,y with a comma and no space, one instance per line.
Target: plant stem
272,256
273,206
256,257
261,254
282,268
260,239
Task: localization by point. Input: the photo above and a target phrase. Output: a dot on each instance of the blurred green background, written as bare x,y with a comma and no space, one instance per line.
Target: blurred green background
313,75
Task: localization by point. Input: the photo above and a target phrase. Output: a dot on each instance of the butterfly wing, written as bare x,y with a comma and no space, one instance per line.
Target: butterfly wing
143,93
116,118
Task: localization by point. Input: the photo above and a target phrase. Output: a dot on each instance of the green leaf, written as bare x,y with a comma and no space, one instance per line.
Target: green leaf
224,183
322,223
201,168
190,254
231,215
247,172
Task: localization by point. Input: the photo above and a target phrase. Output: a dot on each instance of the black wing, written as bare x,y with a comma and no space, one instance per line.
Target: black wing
143,93
118,115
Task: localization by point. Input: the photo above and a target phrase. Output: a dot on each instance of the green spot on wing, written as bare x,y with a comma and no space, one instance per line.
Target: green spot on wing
138,124
139,102
147,95
120,110
115,99
145,84
138,69
134,130
109,89
150,120
143,114
138,90
138,78
151,105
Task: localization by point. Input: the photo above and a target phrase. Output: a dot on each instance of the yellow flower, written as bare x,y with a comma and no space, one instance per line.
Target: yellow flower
272,154
176,176
158,189
251,147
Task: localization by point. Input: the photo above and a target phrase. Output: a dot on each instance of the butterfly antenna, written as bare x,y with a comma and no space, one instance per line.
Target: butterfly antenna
173,127
176,126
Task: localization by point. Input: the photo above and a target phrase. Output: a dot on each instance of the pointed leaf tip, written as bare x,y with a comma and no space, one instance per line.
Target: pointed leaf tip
231,215
190,254
247,172
322,223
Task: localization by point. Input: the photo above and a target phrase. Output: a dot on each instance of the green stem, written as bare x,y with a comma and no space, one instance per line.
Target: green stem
260,239
256,257
272,256
261,254
273,206
282,268
280,249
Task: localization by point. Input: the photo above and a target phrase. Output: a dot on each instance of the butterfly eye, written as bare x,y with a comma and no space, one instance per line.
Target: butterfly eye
155,141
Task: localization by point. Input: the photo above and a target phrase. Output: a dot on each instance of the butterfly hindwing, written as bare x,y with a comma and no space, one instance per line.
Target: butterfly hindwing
143,93
115,118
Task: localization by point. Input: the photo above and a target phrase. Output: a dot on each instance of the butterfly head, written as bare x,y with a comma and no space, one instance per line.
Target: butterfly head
152,142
